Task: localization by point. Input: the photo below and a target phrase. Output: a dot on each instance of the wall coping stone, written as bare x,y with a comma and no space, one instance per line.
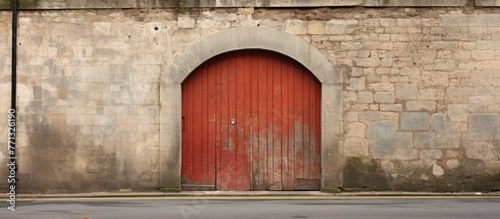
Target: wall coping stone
488,3
185,4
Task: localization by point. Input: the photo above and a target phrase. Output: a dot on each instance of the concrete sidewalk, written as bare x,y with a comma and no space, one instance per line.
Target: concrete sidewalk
254,194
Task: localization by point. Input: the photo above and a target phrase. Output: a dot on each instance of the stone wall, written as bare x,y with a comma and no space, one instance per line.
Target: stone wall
185,4
420,107
422,99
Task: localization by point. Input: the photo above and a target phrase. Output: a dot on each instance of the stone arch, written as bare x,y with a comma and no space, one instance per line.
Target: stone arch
250,38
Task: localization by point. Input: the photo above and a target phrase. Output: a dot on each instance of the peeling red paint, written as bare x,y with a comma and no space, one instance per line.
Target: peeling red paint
252,122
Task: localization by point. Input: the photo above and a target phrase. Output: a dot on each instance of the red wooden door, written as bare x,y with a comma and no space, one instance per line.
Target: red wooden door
251,121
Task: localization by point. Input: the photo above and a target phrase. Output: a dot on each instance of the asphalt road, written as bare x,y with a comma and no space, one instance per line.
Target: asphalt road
351,208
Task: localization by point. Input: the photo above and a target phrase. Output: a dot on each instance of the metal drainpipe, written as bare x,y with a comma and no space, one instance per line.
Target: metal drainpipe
12,112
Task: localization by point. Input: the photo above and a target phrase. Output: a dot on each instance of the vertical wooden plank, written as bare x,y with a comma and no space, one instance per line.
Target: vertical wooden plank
204,125
244,121
277,121
298,124
263,126
190,129
223,174
232,135
269,111
197,125
218,127
190,91
256,176
291,121
287,131
306,119
212,122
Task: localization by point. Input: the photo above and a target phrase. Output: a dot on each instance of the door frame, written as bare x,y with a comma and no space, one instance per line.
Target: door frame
250,38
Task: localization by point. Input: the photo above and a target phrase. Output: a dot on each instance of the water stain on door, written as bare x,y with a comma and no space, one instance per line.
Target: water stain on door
251,121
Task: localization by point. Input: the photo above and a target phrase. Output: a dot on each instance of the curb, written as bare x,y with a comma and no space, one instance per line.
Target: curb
262,194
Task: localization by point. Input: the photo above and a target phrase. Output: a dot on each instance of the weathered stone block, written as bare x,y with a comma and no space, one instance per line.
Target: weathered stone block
431,154
459,91
449,20
483,126
447,142
356,130
435,78
481,151
308,3
370,116
101,4
421,105
406,154
414,121
424,139
367,62
490,20
357,83
104,120
97,74
402,139
296,27
400,79
421,3
356,147
365,97
335,27
350,96
469,20
316,27
387,22
482,100
359,107
405,91
382,133
438,123
437,170
445,54
384,97
431,94
371,3
488,3
374,107
458,112
443,44
356,71
483,54
453,154
383,86
452,164
486,91
491,64
391,107
351,116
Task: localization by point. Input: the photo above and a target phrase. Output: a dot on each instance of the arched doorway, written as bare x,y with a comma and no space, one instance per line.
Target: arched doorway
251,121
183,63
